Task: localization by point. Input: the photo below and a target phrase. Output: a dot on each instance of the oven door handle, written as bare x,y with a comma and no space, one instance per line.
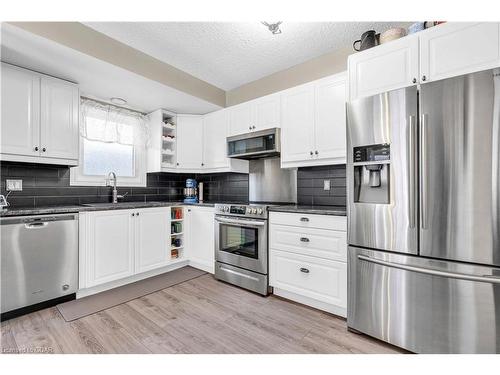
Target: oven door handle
241,222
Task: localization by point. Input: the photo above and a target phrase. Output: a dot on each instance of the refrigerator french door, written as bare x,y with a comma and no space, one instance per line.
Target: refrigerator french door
443,294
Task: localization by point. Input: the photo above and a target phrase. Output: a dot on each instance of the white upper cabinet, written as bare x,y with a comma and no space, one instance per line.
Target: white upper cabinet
267,112
20,111
254,115
240,119
447,50
189,142
215,127
297,134
383,68
313,123
40,117
59,119
453,49
330,119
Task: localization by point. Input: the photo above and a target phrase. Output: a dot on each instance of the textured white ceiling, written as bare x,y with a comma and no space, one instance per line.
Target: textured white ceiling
230,54
96,78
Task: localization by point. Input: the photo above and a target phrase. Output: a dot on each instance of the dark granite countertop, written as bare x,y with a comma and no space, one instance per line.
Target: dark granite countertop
321,210
26,211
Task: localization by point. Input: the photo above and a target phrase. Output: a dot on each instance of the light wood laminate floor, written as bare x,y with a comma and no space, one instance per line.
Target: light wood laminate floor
202,315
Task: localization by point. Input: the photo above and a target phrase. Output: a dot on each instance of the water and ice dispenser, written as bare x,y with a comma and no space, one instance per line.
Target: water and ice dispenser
372,173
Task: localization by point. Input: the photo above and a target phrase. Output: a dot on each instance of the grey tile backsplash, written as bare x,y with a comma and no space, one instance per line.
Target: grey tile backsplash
48,185
310,185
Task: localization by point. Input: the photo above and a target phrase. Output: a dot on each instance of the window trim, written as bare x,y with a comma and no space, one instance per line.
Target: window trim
77,178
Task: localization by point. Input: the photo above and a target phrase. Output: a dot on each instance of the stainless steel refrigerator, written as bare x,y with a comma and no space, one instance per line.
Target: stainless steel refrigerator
424,215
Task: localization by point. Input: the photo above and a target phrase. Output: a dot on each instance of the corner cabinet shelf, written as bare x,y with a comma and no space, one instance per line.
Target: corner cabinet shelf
176,233
162,150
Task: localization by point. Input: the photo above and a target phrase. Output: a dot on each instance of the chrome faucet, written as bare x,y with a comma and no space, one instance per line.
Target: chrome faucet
115,192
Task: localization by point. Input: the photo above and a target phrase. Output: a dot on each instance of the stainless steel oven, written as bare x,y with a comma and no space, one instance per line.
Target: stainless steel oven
241,252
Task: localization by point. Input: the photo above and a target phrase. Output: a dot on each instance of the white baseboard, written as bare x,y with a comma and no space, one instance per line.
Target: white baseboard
340,311
114,284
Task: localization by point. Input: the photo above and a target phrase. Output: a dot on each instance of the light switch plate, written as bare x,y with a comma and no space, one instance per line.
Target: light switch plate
14,185
326,184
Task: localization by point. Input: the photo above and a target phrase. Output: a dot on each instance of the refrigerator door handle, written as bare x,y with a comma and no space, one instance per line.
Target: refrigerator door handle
430,271
411,170
423,169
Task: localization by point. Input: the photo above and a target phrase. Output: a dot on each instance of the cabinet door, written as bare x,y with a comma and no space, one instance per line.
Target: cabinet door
189,142
59,119
267,112
215,126
454,49
20,111
297,126
240,119
330,120
152,238
110,246
383,68
200,237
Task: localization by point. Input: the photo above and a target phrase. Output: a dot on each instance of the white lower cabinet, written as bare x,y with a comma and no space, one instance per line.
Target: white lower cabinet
152,238
119,244
108,245
316,279
200,237
307,259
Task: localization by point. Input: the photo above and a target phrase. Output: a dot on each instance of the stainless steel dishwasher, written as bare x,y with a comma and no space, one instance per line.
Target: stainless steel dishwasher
39,259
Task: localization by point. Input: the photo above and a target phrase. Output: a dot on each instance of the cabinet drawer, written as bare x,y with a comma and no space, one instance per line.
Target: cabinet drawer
330,244
319,279
309,220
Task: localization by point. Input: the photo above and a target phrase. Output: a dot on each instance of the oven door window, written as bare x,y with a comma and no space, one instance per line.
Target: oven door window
239,240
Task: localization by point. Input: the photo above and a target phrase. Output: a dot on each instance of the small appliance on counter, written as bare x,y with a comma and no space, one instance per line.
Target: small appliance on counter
191,191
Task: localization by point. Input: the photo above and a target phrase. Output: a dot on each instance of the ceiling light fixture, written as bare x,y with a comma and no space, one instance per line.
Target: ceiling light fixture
118,101
274,28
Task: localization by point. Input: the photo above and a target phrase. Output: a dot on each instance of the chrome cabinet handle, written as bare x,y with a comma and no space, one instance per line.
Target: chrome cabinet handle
423,170
414,80
311,153
133,214
249,128
411,170
424,78
304,219
431,271
304,239
36,148
137,214
44,149
304,270
316,152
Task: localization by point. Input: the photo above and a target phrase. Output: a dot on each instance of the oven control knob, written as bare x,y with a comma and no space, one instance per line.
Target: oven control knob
226,208
260,211
254,210
249,210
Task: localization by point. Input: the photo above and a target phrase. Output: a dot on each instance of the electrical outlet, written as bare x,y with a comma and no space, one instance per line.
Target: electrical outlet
14,185
326,184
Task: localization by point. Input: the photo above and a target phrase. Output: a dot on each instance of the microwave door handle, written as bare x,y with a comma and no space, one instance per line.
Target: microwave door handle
241,222
431,271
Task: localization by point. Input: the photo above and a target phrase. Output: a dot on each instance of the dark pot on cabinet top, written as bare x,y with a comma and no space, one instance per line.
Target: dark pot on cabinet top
368,40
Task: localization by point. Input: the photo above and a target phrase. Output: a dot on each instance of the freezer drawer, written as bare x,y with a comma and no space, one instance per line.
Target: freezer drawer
424,305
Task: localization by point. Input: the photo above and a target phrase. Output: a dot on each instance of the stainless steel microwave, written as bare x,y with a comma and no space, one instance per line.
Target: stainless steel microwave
255,145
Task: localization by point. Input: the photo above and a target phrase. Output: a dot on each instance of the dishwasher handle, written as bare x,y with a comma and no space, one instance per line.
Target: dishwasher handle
29,221
36,224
